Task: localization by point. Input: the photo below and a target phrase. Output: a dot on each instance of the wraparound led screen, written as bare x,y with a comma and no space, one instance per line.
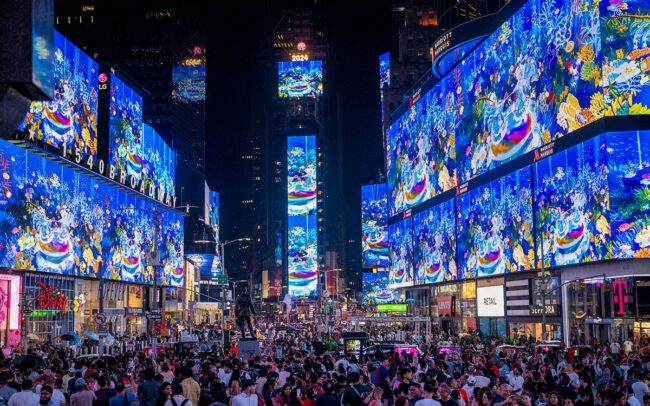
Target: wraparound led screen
302,255
384,70
374,238
376,290
552,68
434,242
70,120
57,220
300,79
301,175
213,212
188,83
400,242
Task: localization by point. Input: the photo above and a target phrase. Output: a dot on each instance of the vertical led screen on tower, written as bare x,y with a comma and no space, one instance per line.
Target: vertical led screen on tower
384,70
434,240
572,205
57,220
494,227
375,288
400,243
300,79
213,213
302,252
302,255
188,83
70,119
301,175
374,231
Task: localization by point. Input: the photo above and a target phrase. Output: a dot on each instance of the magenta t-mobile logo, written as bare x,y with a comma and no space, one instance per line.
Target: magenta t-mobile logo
620,295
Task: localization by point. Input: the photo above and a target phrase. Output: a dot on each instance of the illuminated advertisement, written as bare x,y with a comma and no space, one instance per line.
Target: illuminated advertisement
213,213
188,83
375,288
300,79
384,70
434,238
136,147
494,227
302,255
571,204
374,231
490,301
400,243
301,175
70,119
629,193
60,221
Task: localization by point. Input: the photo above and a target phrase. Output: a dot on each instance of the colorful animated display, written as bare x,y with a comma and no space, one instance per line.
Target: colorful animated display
550,69
188,83
400,243
58,220
375,289
136,147
494,227
300,79
434,235
213,217
374,231
384,70
70,120
301,175
571,204
302,255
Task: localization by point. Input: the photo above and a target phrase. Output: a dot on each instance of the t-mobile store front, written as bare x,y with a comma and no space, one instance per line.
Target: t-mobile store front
490,302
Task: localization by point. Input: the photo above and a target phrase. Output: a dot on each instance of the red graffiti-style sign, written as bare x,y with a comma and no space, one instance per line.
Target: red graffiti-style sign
46,299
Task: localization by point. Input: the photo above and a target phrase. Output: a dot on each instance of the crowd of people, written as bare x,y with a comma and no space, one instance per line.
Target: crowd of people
293,370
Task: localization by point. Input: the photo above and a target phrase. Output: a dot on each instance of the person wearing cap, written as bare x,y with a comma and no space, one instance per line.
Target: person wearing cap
247,397
83,396
469,387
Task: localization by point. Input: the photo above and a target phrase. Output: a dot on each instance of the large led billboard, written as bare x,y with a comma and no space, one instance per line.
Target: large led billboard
553,67
384,70
300,79
213,213
374,231
136,147
57,220
70,119
188,83
301,175
494,227
302,255
376,290
434,241
572,205
400,244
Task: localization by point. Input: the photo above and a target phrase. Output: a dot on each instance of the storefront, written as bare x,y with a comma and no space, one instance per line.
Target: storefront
10,290
524,310
490,300
48,298
445,307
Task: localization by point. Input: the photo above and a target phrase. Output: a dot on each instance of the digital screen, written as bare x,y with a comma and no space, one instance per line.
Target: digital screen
396,307
434,235
494,227
375,288
300,79
629,193
204,263
374,231
571,204
158,161
213,212
70,119
400,243
188,83
384,70
302,255
57,220
301,175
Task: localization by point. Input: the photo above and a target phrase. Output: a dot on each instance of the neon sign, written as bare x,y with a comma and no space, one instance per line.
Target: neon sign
620,295
47,298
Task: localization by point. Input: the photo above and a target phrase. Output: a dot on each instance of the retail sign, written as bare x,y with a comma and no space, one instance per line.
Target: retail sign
48,299
134,312
445,305
549,309
490,301
620,296
396,307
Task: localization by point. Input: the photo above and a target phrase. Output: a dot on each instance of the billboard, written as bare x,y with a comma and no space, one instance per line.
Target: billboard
301,175
553,67
57,220
188,83
490,301
434,235
375,288
374,231
494,227
384,70
213,213
302,255
400,243
300,79
70,119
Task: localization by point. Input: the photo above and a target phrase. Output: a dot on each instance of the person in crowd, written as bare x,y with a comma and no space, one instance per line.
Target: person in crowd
25,397
177,398
46,396
83,395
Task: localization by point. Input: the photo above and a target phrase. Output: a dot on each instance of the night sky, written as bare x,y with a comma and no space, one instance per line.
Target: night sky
358,32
